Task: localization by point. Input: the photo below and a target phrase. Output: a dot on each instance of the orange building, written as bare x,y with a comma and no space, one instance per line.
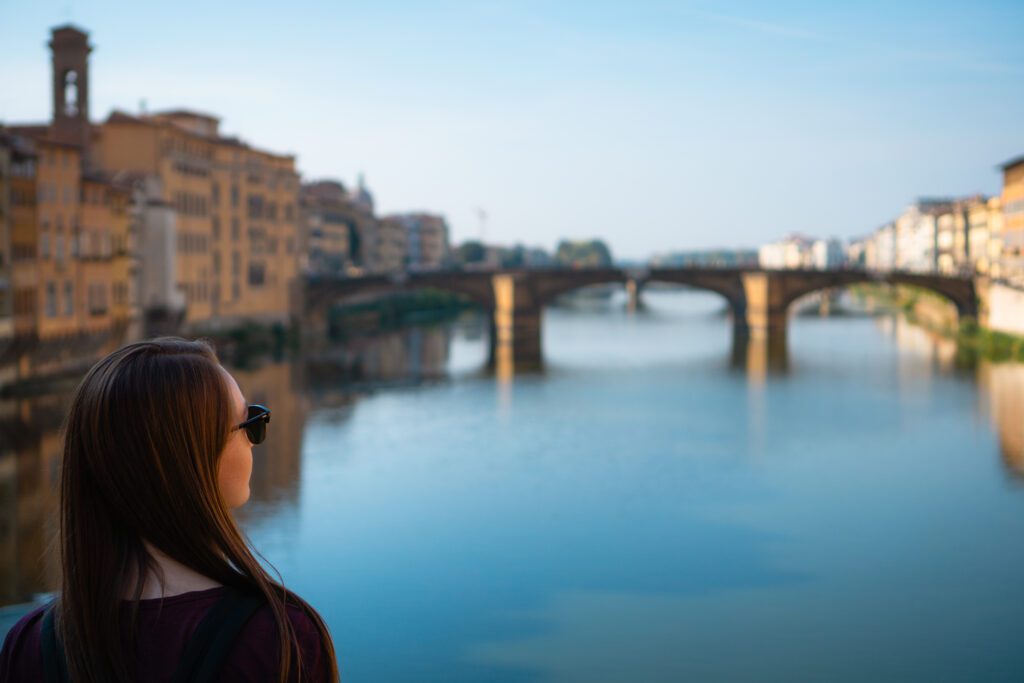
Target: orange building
177,218
229,212
68,229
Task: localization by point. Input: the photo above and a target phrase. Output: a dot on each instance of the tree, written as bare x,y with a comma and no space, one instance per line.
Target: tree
584,254
470,251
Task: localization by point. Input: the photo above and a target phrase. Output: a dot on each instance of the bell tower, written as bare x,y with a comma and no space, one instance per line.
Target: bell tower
70,49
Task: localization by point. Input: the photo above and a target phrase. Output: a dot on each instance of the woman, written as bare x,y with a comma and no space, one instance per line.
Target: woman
158,583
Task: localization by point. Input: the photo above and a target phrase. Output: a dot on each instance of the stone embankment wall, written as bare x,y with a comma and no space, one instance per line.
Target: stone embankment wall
1005,309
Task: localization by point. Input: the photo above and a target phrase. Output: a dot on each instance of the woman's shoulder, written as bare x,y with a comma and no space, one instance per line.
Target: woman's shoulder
255,652
21,658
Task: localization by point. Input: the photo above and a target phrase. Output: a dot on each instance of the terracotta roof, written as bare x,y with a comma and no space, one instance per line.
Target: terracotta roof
1016,161
187,112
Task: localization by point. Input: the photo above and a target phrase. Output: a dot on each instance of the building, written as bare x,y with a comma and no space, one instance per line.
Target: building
326,231
880,249
389,253
211,219
827,254
105,251
917,235
791,252
6,293
1012,257
984,238
219,218
426,240
995,221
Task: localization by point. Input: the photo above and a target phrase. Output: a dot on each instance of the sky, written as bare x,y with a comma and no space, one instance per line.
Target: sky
656,126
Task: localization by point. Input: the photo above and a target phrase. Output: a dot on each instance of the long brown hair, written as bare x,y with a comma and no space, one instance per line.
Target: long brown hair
142,442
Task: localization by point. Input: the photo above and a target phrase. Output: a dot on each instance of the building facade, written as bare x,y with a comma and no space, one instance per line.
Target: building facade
791,252
219,217
389,253
1012,256
337,228
426,240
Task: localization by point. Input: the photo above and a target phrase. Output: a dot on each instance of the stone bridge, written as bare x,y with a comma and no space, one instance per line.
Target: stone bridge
758,299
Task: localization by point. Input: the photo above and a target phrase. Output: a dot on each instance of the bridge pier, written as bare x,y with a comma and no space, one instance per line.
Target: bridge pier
516,324
633,289
765,310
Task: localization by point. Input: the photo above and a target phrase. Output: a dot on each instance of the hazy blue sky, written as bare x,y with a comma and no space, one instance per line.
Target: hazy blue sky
654,125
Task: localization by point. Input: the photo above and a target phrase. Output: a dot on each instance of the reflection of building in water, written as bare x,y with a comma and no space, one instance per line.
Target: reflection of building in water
30,450
277,461
411,354
941,351
1004,385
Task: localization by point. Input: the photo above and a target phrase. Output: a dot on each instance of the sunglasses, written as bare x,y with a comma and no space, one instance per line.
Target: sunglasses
255,425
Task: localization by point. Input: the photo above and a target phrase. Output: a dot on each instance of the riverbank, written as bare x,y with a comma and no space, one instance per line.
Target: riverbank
937,315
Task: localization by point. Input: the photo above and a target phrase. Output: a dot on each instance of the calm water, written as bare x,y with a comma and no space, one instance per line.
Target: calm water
643,511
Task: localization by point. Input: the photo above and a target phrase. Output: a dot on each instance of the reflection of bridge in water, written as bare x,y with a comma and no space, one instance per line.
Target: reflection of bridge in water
758,300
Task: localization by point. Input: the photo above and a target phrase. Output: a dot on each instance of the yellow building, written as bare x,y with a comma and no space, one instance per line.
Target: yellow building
983,233
995,236
1013,219
105,264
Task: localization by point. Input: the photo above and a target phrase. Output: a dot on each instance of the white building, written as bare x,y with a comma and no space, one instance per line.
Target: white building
790,253
917,247
827,254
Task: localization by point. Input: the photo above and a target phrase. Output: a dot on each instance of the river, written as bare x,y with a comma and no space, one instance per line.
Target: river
646,509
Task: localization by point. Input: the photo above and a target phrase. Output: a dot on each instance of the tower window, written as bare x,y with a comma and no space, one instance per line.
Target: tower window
71,93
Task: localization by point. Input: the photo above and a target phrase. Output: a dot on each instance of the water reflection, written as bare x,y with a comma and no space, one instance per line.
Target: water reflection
30,441
760,357
450,505
1003,385
29,457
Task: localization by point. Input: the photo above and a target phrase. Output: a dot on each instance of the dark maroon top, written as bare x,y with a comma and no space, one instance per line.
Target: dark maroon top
165,625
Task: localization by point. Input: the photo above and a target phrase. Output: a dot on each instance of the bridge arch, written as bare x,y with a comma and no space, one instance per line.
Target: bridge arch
958,291
723,281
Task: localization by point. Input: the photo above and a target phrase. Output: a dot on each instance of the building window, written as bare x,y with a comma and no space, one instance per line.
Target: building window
59,252
215,193
44,246
51,300
234,196
216,263
235,229
236,291
69,299
216,228
255,203
24,301
236,264
97,298
257,275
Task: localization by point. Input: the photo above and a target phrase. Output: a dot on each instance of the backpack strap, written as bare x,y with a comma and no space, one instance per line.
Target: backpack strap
208,647
55,662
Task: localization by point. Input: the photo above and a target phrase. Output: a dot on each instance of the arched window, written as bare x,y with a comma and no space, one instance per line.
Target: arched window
71,93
